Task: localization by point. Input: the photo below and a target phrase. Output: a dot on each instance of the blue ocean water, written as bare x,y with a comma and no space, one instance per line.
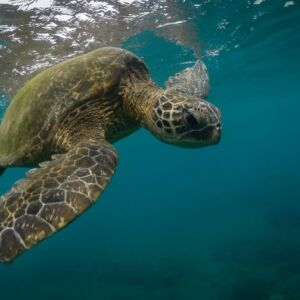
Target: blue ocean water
218,223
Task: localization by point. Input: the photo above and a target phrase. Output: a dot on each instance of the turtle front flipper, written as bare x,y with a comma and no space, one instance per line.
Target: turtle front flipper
50,197
193,81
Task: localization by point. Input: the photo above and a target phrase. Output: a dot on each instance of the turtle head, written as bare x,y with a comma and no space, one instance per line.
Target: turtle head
184,120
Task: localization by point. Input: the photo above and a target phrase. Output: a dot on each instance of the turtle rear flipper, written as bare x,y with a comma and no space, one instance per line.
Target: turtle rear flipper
193,80
50,197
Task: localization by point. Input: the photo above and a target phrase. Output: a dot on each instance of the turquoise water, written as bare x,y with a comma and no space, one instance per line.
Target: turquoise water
218,223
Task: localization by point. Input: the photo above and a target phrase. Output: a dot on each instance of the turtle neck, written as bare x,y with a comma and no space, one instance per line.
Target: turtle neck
139,96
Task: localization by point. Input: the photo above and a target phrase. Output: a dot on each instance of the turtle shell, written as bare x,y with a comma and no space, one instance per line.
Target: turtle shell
31,119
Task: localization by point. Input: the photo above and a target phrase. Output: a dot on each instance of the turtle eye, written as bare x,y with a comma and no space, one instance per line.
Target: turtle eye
189,118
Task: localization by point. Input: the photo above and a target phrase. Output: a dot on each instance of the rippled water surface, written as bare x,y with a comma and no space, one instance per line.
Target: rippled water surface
221,222
37,34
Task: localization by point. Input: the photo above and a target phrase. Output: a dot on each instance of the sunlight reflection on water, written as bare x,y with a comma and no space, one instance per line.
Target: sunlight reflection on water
38,34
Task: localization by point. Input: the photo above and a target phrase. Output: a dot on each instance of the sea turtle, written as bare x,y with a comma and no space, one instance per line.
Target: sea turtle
64,120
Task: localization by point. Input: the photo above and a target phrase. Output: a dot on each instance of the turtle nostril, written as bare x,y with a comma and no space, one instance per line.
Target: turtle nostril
218,126
189,118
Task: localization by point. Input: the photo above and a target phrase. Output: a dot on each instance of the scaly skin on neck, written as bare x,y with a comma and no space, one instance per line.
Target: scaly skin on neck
139,96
